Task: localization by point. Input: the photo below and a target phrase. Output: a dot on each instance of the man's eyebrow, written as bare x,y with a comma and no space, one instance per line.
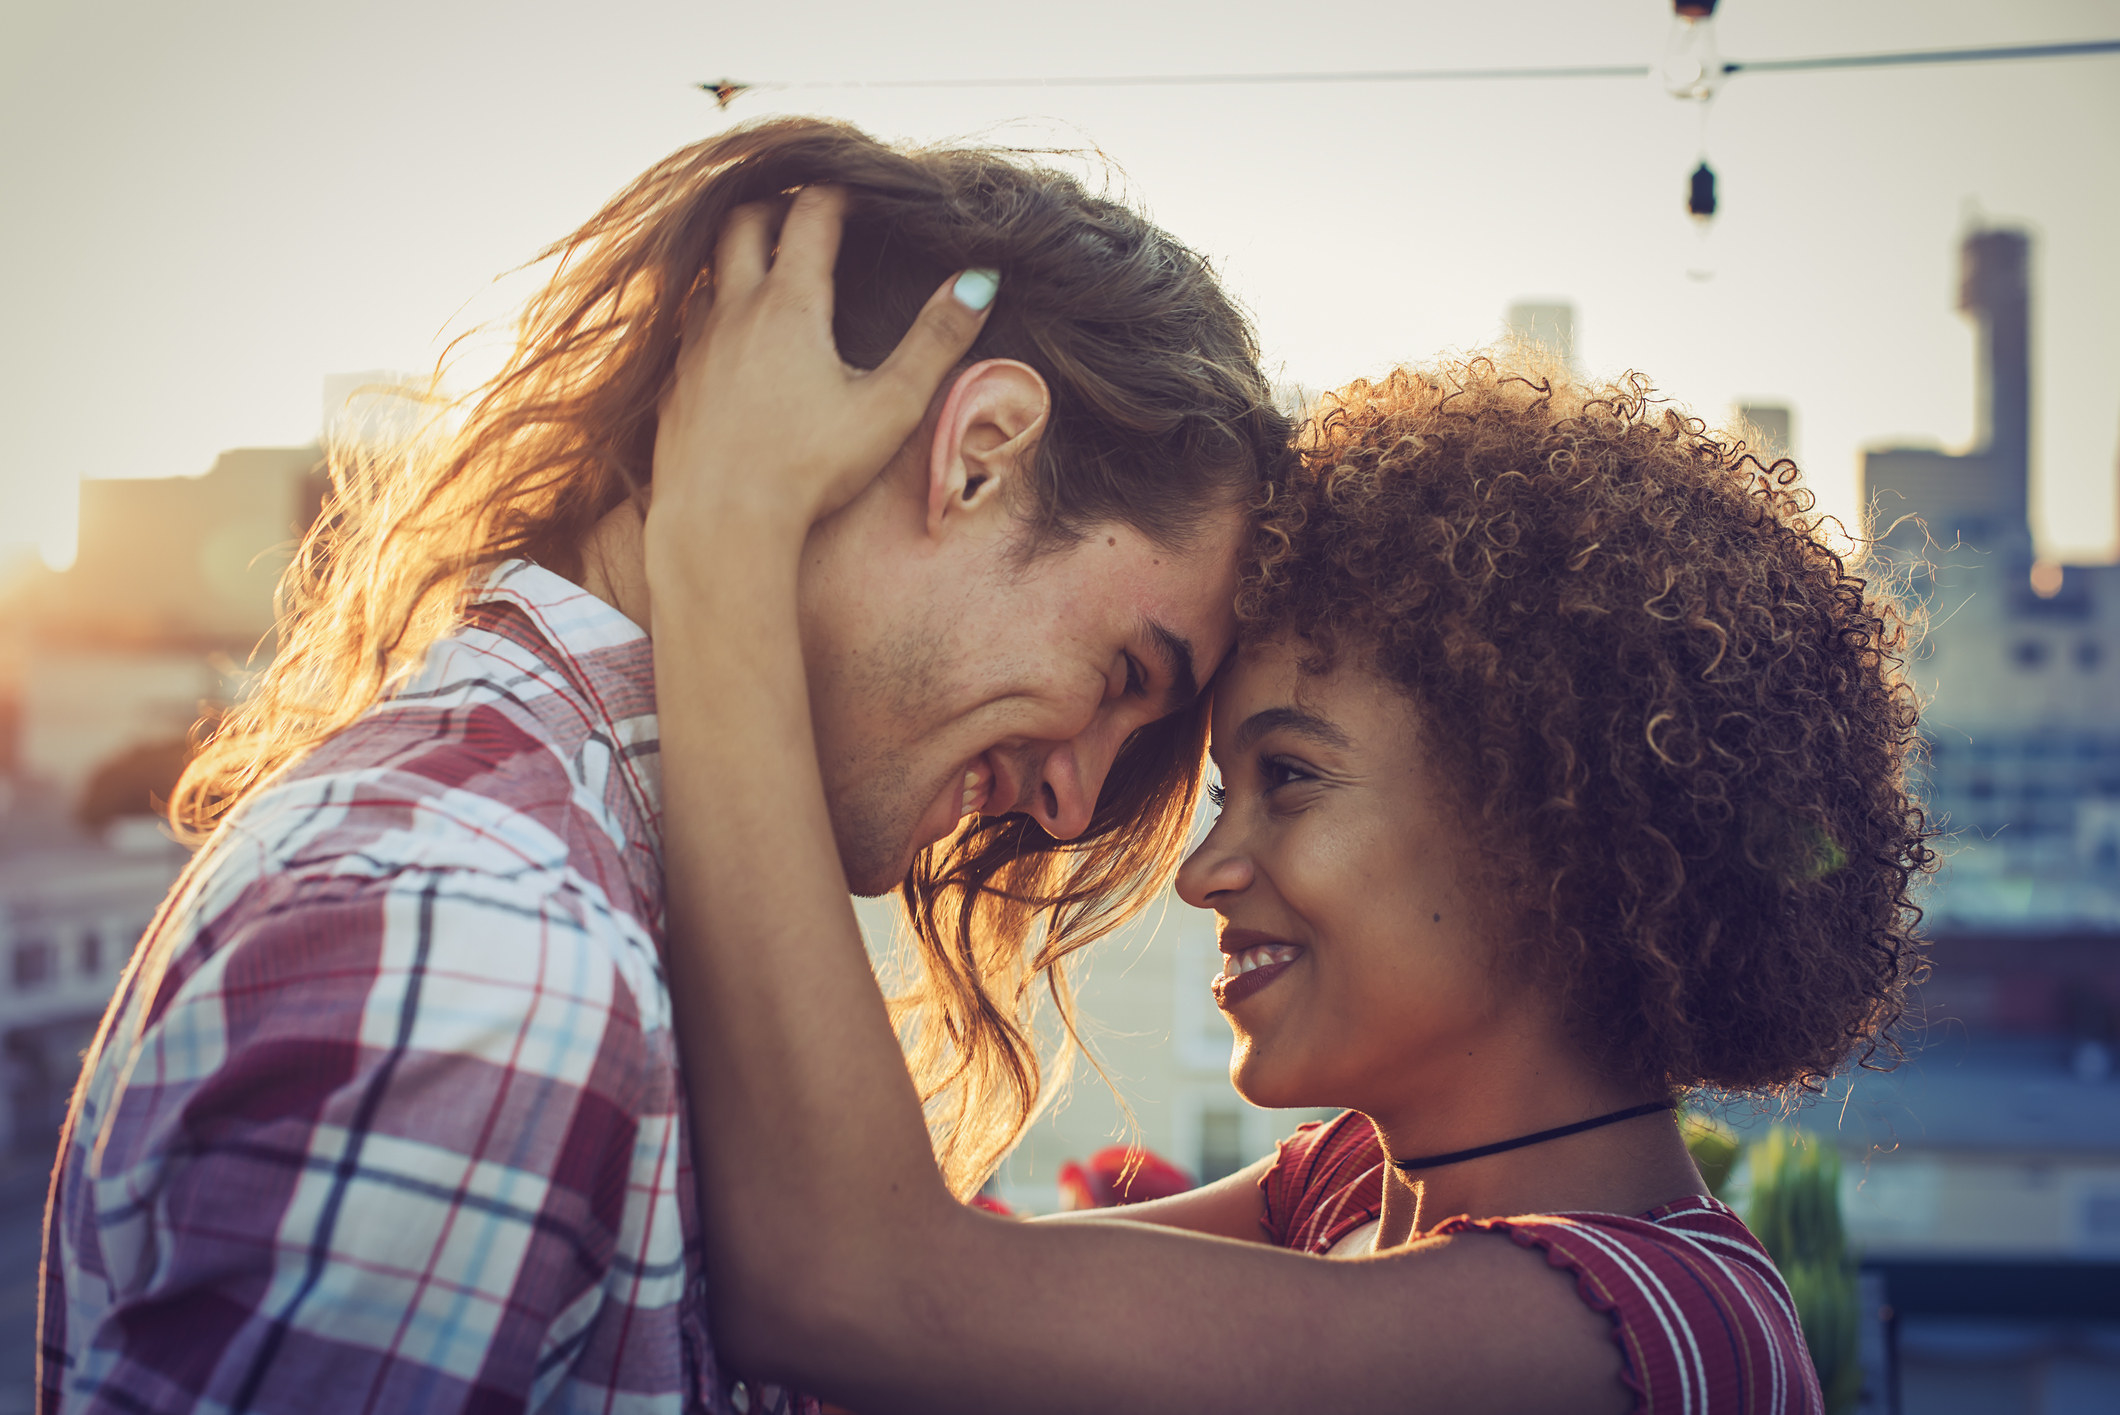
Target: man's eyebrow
1176,651
1288,719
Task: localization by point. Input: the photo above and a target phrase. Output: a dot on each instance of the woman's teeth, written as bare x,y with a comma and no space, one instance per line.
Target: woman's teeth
971,793
1238,964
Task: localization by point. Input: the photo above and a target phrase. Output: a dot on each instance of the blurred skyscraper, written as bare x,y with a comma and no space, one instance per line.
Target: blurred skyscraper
1983,1175
1547,322
2020,664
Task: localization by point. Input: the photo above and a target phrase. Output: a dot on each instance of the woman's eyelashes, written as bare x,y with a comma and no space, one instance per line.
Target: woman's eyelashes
1272,775
1268,778
1277,772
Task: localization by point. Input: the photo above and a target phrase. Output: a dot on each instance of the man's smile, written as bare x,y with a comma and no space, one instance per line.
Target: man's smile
978,786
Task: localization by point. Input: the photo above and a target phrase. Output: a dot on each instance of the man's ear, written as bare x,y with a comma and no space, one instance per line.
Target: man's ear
984,437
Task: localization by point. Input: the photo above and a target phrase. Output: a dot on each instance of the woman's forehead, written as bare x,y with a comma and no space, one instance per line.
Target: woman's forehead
1268,685
1258,675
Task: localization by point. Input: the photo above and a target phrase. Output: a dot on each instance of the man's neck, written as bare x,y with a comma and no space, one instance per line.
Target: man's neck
614,563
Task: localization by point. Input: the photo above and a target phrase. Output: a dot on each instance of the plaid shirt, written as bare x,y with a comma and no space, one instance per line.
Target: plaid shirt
387,1115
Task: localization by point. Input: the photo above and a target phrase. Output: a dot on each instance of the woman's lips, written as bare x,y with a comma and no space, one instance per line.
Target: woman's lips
1247,970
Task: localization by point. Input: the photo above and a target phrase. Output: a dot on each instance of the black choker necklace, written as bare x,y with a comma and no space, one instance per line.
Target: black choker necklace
1460,1156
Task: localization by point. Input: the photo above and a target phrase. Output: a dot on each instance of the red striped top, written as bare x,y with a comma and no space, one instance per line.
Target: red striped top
1703,1321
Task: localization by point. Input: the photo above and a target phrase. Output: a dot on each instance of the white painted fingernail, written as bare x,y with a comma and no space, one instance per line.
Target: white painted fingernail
976,288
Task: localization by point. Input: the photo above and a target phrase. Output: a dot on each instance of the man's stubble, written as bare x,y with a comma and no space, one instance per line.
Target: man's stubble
883,707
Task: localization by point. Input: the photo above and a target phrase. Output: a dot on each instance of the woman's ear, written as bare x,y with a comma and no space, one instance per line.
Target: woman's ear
984,437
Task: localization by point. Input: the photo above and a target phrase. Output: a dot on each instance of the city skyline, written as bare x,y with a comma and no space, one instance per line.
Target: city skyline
199,271
229,209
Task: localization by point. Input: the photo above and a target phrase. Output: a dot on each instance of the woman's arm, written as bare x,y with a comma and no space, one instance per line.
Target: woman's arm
845,1266
1230,1207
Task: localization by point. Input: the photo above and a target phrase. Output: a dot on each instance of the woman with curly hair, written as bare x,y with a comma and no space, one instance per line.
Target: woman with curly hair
1562,772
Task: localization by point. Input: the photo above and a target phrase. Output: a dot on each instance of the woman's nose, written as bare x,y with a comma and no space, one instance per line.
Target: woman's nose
1214,871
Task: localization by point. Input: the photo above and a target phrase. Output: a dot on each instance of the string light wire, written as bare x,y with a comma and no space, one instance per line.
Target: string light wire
726,91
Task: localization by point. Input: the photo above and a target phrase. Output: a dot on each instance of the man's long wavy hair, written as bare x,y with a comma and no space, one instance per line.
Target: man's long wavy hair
1159,416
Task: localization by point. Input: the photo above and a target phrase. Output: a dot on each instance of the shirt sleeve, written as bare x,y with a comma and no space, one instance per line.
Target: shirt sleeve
1322,1184
370,1153
1702,1321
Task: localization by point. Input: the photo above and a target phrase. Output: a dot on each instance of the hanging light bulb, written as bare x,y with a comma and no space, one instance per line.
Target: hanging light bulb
1692,66
1700,193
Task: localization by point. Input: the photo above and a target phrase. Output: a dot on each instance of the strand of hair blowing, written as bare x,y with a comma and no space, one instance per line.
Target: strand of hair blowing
1159,415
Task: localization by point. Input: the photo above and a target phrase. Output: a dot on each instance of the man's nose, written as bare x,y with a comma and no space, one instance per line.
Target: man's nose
1071,777
1214,872
1065,796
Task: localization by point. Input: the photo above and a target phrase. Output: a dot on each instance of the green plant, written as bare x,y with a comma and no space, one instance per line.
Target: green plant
1713,1146
1795,1214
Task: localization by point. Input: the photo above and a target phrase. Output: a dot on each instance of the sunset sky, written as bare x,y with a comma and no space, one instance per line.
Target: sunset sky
212,206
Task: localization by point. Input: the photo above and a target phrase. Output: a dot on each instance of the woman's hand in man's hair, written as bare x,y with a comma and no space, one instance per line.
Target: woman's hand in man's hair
764,428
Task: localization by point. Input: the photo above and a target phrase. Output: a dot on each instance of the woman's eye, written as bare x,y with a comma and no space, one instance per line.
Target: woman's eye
1275,771
1217,794
1136,680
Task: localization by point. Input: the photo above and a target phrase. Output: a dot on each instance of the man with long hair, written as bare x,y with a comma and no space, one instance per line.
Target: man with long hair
386,1114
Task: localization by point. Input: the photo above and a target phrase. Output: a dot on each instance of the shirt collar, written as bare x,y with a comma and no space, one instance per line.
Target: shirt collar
605,655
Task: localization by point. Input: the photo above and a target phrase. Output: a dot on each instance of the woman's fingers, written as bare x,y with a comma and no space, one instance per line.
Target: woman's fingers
764,418
941,336
809,243
743,254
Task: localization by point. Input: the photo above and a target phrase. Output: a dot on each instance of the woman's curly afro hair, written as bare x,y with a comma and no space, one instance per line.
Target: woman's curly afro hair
1675,714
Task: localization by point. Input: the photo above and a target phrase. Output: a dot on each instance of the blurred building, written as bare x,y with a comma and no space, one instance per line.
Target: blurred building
1772,430
167,599
1547,322
1983,1174
105,669
2020,664
70,914
183,562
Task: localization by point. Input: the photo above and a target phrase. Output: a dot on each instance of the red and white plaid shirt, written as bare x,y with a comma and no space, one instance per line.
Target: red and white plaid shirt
387,1115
